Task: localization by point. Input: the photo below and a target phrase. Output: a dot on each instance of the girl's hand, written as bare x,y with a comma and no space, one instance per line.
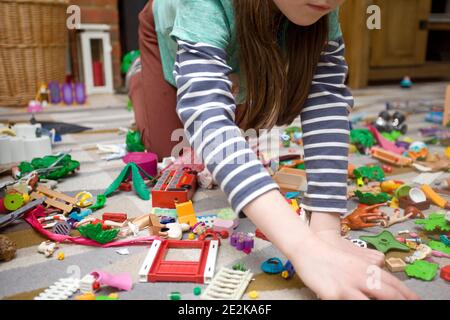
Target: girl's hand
334,275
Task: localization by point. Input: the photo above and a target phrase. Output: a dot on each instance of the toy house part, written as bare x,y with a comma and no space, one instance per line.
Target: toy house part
156,269
395,264
445,273
55,199
186,213
8,248
63,289
228,284
422,270
363,217
47,248
290,180
174,186
390,157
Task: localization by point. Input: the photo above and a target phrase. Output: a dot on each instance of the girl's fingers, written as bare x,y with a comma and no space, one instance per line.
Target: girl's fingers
355,295
384,292
400,286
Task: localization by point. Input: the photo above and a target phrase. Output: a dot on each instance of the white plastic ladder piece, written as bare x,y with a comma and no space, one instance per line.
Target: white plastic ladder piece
211,261
148,262
228,284
63,289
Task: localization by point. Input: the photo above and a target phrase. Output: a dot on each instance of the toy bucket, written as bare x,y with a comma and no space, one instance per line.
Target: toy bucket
147,161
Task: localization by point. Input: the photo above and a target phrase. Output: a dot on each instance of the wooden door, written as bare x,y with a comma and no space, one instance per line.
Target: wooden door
402,40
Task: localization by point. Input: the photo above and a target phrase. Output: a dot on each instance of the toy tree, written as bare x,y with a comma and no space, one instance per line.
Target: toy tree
435,221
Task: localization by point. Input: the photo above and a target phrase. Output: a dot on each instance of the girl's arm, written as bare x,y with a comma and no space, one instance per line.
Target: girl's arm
325,125
206,107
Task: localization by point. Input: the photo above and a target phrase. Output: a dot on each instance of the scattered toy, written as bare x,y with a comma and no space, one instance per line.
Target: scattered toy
47,248
253,294
435,221
372,199
363,217
228,284
395,264
445,273
63,289
272,266
385,242
422,270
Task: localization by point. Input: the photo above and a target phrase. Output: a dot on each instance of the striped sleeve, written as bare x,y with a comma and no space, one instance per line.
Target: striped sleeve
206,108
326,130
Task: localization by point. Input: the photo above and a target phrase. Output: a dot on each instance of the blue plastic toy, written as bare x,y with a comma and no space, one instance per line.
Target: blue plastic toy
272,266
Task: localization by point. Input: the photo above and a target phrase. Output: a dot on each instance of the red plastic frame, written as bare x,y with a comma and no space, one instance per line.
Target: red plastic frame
169,188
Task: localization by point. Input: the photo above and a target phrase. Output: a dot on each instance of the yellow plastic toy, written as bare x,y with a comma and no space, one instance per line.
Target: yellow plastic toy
186,213
434,197
84,199
447,152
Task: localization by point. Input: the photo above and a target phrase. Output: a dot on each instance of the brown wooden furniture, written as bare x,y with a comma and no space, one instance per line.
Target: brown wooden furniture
400,47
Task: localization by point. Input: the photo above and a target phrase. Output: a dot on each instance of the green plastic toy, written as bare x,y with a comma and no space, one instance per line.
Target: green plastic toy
96,233
64,166
371,199
374,173
422,270
134,142
362,137
128,60
99,203
138,183
392,136
439,246
197,291
434,222
385,242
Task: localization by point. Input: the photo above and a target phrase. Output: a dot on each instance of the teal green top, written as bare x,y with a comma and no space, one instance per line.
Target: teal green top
207,21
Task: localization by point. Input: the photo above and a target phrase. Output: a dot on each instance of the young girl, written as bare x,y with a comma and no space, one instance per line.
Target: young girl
222,65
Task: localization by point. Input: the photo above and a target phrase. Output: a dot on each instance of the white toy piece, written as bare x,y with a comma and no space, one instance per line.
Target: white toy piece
360,243
63,289
87,284
422,252
47,248
175,230
228,284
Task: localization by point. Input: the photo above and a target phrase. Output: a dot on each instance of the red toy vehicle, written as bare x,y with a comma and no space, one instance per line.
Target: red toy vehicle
174,186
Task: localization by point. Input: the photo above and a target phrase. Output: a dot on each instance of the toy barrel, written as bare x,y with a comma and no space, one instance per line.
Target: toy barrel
147,161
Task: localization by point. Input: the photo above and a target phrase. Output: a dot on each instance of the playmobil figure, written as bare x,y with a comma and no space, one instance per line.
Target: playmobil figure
363,217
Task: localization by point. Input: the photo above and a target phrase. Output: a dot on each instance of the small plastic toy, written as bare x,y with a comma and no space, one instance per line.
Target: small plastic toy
174,186
84,199
175,296
291,180
417,151
406,83
197,291
435,221
385,242
61,256
272,266
55,199
13,216
253,294
395,264
434,197
172,231
422,270
362,138
363,217
390,157
371,199
439,246
63,289
134,142
121,281
8,248
47,248
422,252
445,273
228,284
288,271
242,242
96,233
186,213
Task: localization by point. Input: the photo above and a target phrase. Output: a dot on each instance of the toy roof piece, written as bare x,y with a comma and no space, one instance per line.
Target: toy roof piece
55,199
228,284
156,269
63,289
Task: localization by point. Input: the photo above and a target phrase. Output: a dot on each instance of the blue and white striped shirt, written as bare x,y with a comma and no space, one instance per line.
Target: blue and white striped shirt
207,108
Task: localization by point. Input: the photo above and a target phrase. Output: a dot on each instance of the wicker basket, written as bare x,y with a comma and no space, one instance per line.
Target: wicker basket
33,43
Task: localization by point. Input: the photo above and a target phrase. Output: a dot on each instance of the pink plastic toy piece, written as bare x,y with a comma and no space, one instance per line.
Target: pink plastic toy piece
147,161
384,143
121,281
34,107
187,160
223,225
440,254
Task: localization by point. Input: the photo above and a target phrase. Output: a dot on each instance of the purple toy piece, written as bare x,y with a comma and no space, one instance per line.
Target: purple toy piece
67,93
80,93
55,92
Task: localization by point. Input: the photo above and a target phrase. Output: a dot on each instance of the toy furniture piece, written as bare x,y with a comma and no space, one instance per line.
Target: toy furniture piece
156,269
363,217
174,186
96,55
55,199
395,264
290,180
385,242
422,270
228,284
186,213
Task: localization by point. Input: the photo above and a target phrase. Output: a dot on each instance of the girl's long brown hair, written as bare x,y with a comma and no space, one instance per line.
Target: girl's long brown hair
277,79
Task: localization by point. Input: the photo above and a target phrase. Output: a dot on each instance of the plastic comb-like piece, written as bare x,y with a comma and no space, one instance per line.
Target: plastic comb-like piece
63,289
